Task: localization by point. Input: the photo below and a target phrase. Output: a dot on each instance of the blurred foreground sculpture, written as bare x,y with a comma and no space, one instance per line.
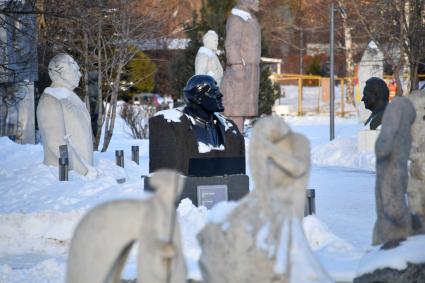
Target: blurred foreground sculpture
104,237
392,149
63,118
262,239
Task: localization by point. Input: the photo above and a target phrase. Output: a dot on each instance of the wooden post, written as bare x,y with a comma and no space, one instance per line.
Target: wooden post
300,96
342,96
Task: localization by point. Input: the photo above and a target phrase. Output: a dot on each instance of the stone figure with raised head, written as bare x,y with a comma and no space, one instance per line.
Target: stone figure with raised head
194,131
206,61
63,118
241,81
416,187
262,239
104,237
375,99
392,149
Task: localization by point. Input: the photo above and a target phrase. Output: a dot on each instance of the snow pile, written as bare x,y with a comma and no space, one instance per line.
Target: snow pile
409,251
343,152
320,237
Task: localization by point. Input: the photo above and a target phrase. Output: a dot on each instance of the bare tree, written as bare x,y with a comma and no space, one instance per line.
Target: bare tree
104,36
398,29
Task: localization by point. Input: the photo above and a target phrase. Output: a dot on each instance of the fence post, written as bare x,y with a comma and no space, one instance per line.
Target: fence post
119,158
300,96
342,96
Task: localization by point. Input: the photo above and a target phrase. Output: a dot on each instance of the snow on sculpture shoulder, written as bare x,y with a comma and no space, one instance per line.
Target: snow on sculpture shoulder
242,14
171,115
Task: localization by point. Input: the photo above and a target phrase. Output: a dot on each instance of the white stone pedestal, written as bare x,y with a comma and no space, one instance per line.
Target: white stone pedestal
366,140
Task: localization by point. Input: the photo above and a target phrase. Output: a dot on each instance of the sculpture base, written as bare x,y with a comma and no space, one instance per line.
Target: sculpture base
412,273
207,191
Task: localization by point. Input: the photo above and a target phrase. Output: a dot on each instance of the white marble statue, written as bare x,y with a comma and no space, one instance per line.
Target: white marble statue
207,62
104,237
63,118
262,239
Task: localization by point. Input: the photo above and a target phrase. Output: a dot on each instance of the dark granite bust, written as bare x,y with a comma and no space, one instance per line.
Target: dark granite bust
375,98
196,135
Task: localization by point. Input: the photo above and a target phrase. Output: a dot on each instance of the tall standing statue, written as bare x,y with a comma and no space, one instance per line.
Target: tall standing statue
63,118
262,239
241,81
207,62
416,188
392,149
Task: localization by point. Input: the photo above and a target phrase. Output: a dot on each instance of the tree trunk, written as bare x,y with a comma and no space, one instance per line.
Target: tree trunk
348,55
110,119
99,102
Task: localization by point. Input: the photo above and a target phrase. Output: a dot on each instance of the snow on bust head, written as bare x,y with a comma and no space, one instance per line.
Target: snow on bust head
64,72
248,5
210,40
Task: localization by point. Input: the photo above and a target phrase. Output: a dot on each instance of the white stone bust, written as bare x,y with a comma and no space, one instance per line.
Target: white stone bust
63,118
207,62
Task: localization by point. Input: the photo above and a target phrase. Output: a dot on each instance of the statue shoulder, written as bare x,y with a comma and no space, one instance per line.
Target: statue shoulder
170,115
226,122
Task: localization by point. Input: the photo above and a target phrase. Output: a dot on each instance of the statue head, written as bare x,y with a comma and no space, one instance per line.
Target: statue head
203,92
210,40
278,157
375,93
249,5
64,71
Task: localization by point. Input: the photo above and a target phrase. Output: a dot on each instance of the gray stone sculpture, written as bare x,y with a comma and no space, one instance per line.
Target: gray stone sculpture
206,61
63,118
262,239
241,80
392,150
416,187
104,237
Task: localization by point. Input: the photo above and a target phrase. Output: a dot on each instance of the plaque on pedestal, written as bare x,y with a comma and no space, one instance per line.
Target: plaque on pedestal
208,191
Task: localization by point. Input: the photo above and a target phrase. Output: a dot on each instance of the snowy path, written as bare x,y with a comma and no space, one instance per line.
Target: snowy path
38,213
345,201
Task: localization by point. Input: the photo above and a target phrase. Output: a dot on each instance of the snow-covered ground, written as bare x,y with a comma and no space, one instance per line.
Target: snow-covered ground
38,213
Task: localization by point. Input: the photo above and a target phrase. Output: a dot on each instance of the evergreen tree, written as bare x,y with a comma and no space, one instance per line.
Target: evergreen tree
269,91
141,71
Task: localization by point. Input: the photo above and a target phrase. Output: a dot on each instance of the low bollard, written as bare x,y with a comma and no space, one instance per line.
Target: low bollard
119,158
310,202
63,168
135,153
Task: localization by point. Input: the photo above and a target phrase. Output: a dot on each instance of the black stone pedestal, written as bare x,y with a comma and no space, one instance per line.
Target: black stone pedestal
207,191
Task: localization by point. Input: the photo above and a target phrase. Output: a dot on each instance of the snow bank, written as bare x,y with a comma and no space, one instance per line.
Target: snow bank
343,152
